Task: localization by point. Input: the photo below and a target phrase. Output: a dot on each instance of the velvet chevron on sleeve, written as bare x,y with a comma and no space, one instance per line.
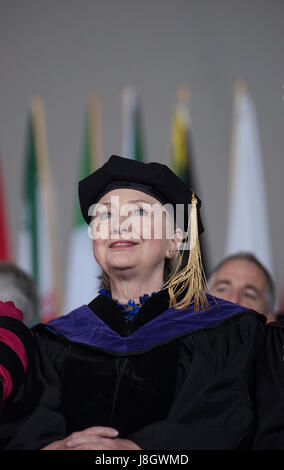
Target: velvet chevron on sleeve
15,346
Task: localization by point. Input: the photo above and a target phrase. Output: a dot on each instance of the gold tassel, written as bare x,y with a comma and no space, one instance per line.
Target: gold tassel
191,278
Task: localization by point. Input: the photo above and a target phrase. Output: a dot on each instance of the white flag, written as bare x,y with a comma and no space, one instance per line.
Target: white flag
82,269
248,223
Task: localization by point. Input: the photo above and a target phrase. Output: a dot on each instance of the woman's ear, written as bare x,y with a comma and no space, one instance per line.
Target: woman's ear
175,243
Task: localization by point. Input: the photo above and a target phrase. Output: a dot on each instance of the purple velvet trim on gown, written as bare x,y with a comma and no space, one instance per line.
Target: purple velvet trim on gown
83,326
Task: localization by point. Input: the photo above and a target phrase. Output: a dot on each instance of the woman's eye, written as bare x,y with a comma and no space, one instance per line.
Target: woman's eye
140,211
105,215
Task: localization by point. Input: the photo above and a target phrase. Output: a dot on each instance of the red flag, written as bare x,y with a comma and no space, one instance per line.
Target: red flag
5,245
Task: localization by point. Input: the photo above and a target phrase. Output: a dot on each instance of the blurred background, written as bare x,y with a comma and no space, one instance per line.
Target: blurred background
65,50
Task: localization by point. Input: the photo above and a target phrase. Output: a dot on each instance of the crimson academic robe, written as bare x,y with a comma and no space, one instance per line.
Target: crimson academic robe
168,379
17,364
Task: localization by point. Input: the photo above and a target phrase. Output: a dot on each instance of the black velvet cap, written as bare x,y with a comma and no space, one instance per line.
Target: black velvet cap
155,179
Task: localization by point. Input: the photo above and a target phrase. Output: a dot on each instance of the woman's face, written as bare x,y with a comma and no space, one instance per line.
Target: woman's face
131,230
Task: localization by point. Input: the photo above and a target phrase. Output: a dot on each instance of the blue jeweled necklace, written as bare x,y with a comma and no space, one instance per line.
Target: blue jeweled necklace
131,308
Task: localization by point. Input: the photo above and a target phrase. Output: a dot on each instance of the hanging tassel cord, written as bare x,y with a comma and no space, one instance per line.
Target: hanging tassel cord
191,279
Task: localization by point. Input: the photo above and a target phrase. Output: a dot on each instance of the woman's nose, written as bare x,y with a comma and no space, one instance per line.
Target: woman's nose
121,224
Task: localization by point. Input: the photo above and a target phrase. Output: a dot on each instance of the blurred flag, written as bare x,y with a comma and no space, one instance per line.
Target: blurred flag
181,158
5,241
181,152
132,134
248,222
82,269
37,240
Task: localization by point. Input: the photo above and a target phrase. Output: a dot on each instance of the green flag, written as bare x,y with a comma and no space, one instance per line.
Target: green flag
37,241
132,132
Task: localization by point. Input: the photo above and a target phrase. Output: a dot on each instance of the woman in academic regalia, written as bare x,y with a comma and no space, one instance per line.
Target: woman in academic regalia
152,362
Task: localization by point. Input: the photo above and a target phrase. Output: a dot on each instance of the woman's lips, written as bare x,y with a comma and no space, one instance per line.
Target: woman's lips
122,244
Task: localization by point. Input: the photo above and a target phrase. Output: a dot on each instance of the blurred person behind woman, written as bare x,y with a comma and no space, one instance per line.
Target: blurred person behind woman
19,287
242,279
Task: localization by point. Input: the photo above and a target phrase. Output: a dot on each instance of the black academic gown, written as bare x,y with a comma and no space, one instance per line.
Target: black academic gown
269,386
169,379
